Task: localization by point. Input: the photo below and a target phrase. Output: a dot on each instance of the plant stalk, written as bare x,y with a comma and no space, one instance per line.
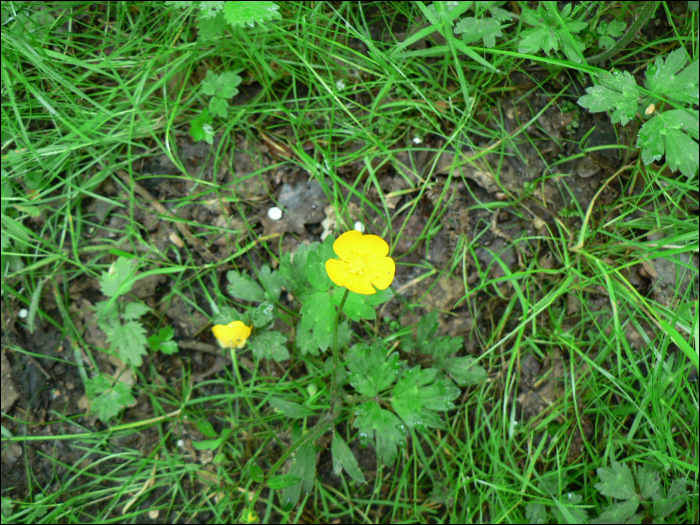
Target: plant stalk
313,433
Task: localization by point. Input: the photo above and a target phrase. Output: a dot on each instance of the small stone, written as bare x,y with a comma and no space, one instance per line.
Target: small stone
23,313
274,213
359,227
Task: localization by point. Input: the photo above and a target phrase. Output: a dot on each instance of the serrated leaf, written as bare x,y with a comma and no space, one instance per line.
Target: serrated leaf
292,270
290,409
134,310
614,90
615,28
618,512
417,396
162,341
500,14
221,86
472,29
218,107
117,280
244,14
164,334
112,399
269,345
373,421
209,83
674,500
201,128
663,78
228,314
568,510
303,468
211,8
244,287
179,4
271,282
370,370
427,327
664,132
408,343
108,314
535,513
616,481
211,23
606,42
318,315
378,298
316,264
649,482
343,458
130,340
551,32
355,307
441,347
94,386
307,343
263,314
464,372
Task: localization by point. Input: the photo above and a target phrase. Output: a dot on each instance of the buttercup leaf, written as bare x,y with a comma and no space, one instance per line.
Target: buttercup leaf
344,459
370,370
417,396
244,287
616,481
617,91
663,78
372,420
269,344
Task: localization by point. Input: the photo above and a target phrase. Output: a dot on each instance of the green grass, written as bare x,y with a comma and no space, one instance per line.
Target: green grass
108,87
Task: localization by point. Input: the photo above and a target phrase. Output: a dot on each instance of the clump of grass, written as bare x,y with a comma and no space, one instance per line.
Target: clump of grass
99,88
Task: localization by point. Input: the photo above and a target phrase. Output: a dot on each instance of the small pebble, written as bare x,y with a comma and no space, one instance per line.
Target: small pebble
417,140
23,313
359,227
274,213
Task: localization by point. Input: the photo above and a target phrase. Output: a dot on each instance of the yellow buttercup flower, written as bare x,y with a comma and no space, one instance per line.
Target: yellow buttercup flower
362,262
232,335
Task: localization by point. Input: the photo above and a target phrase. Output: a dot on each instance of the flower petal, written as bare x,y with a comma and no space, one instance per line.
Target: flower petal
346,245
358,285
337,270
233,335
382,272
372,244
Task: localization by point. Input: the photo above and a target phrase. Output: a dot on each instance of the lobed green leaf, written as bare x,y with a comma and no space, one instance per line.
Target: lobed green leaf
370,371
373,421
244,287
417,396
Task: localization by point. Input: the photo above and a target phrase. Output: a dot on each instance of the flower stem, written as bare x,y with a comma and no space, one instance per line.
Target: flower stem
336,352
313,433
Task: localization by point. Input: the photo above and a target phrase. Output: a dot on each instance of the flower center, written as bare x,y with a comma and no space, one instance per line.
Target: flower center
358,266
